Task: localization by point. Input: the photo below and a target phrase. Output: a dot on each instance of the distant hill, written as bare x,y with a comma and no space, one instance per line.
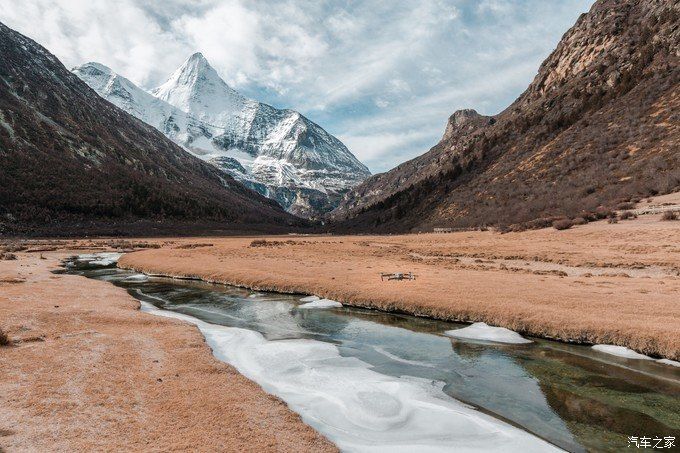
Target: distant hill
73,163
598,126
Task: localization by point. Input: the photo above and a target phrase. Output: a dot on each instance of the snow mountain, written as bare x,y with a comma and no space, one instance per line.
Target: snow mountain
76,164
278,152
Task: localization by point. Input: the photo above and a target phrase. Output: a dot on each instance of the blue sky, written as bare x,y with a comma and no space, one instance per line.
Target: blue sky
383,76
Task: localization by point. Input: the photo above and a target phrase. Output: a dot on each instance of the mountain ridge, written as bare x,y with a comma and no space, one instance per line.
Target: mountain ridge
74,163
597,127
278,152
461,126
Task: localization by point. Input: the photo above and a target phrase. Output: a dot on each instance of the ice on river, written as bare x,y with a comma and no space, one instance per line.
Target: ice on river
355,407
321,303
310,299
668,362
137,278
620,351
626,353
100,259
484,332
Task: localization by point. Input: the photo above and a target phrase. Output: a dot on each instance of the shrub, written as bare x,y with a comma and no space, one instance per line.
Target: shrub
4,339
502,229
7,256
579,221
12,248
588,216
562,224
625,205
627,215
612,220
543,222
518,227
199,245
669,215
603,213
266,243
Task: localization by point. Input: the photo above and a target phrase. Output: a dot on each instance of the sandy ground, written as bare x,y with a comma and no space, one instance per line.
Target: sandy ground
596,283
87,371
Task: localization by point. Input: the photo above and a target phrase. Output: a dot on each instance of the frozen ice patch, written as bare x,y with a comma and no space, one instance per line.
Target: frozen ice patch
402,360
355,407
321,303
668,362
100,259
310,299
620,351
484,332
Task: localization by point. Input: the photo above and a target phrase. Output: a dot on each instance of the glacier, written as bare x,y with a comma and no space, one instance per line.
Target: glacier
277,152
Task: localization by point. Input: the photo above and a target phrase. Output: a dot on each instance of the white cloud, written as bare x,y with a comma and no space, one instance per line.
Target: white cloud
117,33
494,7
382,75
226,34
376,147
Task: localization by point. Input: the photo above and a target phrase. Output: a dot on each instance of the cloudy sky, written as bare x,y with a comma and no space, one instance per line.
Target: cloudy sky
383,76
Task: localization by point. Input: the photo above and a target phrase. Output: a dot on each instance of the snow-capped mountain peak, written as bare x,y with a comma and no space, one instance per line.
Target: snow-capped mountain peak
196,88
126,95
102,78
278,152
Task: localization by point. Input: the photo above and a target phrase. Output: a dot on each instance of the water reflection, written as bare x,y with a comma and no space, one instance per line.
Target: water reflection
563,393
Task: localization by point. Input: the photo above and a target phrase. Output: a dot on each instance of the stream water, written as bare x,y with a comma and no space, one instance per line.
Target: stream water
374,381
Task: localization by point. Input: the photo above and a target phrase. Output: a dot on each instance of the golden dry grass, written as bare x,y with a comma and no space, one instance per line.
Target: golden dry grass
472,276
89,372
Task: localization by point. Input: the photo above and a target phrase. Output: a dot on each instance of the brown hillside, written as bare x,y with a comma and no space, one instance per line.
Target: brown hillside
460,129
599,125
73,163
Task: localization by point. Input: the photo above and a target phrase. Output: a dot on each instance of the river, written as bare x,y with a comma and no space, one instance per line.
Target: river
374,381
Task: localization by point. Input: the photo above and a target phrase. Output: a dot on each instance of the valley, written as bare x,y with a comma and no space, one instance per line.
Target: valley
617,289
619,285
186,268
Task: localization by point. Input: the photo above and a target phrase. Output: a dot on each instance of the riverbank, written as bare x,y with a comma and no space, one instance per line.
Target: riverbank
87,371
597,283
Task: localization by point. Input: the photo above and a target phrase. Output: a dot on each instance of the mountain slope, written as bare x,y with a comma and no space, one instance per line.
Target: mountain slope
597,126
279,153
72,161
126,95
460,128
